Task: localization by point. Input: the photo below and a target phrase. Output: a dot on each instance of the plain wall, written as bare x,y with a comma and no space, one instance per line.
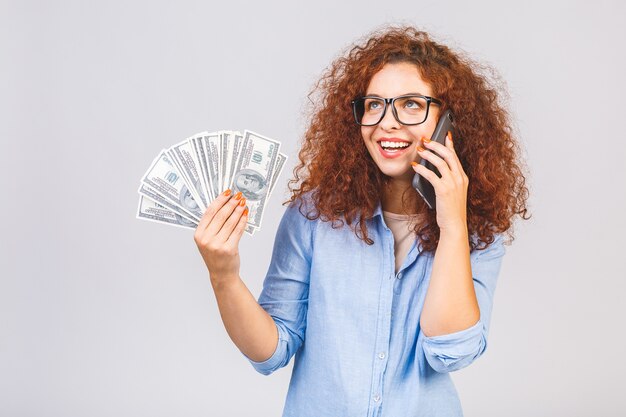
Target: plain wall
102,314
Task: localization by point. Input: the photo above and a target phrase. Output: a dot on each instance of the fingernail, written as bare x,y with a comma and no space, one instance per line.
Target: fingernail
450,136
414,163
245,212
420,149
227,192
425,140
242,202
238,195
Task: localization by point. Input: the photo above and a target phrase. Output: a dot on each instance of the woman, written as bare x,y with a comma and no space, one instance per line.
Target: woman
379,297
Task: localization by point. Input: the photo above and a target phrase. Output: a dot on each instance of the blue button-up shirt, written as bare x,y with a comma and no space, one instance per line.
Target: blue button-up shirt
354,324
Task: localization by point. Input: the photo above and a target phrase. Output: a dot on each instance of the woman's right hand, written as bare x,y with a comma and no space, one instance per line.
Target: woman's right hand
218,233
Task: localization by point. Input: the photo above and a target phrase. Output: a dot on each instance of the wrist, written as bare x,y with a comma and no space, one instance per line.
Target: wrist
222,282
454,229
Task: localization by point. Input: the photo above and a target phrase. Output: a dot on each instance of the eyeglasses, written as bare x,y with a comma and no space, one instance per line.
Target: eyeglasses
409,109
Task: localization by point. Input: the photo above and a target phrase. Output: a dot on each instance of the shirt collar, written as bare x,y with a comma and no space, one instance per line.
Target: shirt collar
378,211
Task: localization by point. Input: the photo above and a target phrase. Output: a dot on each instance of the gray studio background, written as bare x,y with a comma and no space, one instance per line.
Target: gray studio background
102,314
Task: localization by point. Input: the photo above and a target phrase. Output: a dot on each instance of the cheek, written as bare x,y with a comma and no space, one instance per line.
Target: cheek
425,129
429,126
366,134
369,146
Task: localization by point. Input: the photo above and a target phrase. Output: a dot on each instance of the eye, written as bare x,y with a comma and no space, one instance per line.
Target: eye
373,105
412,104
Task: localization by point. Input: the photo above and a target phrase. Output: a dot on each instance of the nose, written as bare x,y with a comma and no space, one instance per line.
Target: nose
389,121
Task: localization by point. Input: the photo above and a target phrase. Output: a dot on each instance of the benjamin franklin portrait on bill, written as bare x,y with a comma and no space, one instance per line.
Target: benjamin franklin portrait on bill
251,184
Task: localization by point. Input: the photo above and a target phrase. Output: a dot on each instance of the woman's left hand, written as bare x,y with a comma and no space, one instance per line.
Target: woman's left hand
451,188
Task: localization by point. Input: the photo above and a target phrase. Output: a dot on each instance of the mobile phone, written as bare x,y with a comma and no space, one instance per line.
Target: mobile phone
421,184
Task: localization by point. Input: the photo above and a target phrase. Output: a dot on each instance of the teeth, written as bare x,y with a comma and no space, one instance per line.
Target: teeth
386,144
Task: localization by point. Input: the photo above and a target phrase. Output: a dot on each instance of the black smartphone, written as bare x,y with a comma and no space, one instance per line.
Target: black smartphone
421,184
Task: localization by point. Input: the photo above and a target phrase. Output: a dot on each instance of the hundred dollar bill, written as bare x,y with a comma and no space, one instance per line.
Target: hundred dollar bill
210,146
231,148
201,158
151,210
153,195
254,172
225,137
280,163
166,180
279,168
183,155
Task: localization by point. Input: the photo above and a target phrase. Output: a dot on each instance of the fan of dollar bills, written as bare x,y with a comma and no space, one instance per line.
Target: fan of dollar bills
184,179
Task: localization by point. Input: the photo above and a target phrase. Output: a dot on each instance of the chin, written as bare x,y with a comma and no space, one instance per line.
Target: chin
397,174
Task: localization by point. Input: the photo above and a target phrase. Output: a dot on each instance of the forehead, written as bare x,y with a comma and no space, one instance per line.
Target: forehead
397,79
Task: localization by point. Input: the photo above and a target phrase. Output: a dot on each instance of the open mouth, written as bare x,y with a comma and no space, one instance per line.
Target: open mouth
392,148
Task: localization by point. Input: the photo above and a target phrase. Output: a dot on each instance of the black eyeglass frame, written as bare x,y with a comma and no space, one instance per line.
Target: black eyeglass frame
391,101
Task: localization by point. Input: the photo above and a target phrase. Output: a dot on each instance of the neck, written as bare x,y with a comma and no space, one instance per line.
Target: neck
392,197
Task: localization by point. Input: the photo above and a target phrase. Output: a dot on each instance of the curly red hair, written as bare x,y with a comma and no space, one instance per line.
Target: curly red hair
344,182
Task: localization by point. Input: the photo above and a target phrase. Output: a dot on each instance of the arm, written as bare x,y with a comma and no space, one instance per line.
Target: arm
455,317
450,303
456,344
250,328
285,293
217,237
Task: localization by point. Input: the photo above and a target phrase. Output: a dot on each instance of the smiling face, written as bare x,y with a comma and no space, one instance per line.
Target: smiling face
384,140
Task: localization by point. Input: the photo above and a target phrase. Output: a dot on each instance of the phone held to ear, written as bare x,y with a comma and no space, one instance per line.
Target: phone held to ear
422,185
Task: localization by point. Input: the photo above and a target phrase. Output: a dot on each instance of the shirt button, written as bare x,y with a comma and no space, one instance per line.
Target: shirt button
381,355
399,275
376,397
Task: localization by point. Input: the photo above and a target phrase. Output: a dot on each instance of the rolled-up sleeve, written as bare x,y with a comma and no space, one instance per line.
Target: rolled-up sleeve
454,351
286,287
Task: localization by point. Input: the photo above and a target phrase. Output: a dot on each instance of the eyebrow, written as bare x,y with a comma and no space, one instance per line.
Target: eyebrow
405,94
